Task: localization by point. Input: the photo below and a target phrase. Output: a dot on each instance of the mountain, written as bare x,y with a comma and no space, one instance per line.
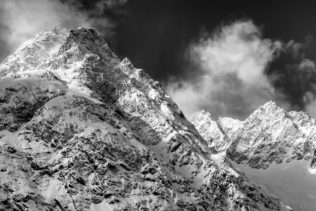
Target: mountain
82,130
273,147
218,134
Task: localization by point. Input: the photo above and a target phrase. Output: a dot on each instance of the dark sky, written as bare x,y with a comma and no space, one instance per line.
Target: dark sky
155,34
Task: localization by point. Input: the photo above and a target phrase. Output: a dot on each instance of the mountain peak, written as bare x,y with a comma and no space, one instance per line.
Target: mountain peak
269,143
216,132
270,106
82,130
202,114
268,111
73,56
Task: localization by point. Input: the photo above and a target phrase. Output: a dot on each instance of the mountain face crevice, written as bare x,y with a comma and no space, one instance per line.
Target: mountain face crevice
82,130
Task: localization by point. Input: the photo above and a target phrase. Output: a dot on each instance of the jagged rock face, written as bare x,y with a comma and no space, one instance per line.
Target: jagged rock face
272,142
82,130
231,127
268,135
211,131
217,133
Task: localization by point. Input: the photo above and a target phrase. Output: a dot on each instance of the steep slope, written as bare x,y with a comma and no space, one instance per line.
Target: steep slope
82,130
271,134
218,134
273,147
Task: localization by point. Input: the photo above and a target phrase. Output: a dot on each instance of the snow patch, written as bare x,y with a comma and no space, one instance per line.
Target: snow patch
293,183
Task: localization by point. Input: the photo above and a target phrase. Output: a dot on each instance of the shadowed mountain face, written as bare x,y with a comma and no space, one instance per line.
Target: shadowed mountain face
82,130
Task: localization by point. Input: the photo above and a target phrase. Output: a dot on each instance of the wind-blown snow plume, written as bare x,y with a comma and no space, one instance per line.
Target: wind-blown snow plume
231,72
21,19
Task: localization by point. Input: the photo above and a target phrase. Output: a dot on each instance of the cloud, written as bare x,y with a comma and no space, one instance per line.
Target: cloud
230,78
311,109
293,74
103,15
22,19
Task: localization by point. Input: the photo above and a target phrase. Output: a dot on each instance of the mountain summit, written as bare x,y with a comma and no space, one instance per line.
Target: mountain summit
82,130
273,147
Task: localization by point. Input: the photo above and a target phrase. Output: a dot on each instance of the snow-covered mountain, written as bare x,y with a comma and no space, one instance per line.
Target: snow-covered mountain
82,130
272,147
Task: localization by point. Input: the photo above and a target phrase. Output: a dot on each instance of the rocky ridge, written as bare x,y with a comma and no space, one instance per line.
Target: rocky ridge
269,135
272,147
82,130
